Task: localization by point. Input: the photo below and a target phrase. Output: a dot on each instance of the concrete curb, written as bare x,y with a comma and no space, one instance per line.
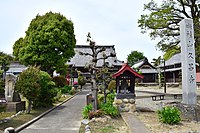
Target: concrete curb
20,128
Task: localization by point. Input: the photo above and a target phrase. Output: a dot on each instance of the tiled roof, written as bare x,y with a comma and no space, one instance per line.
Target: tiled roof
81,60
128,68
16,67
140,64
175,59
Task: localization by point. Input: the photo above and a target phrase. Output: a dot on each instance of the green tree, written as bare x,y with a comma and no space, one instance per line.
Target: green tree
134,56
62,70
16,48
170,52
49,42
5,60
28,85
37,87
163,19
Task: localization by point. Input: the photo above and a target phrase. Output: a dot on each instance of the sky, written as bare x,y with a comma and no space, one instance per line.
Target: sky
110,22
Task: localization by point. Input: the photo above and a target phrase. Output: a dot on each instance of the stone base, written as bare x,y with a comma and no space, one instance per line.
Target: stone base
15,106
189,112
125,105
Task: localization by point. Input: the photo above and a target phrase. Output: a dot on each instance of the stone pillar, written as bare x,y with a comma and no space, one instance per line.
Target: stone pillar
188,62
9,87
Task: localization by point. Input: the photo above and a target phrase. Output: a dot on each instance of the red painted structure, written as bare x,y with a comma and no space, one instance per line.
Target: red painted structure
125,82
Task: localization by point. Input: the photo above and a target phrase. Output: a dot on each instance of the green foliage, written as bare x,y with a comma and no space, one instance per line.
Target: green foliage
60,81
109,109
72,91
169,115
36,86
5,60
134,56
112,85
170,52
100,98
58,95
62,70
28,83
49,42
66,89
162,22
86,110
156,62
111,97
16,48
81,81
47,92
2,86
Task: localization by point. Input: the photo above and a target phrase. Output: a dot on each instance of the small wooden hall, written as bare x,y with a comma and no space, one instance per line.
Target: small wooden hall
125,82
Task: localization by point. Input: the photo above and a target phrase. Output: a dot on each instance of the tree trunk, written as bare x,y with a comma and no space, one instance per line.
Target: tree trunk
94,93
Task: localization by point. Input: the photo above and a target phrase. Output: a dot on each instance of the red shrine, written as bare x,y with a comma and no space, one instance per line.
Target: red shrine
125,82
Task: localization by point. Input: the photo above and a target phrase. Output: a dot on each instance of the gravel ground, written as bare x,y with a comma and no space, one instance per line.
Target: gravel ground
150,119
155,105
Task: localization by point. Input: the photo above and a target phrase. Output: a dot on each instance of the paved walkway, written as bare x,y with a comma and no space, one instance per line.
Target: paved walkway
135,125
64,119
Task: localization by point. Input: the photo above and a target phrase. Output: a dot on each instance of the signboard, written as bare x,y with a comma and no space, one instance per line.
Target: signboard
188,61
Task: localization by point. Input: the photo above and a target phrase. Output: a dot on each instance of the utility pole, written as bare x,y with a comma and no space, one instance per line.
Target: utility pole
165,88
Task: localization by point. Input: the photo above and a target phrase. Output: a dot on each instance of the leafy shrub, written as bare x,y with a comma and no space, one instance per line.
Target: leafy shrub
110,110
112,85
72,91
60,81
28,84
58,96
169,115
110,97
66,89
37,86
86,110
100,98
47,92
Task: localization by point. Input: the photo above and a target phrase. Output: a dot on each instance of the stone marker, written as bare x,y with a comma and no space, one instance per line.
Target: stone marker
188,62
9,87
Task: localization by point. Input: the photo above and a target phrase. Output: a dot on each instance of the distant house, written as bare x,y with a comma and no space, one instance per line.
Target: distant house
148,71
16,68
80,62
173,69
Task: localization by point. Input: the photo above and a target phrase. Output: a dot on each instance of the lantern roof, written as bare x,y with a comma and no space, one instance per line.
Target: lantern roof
126,67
